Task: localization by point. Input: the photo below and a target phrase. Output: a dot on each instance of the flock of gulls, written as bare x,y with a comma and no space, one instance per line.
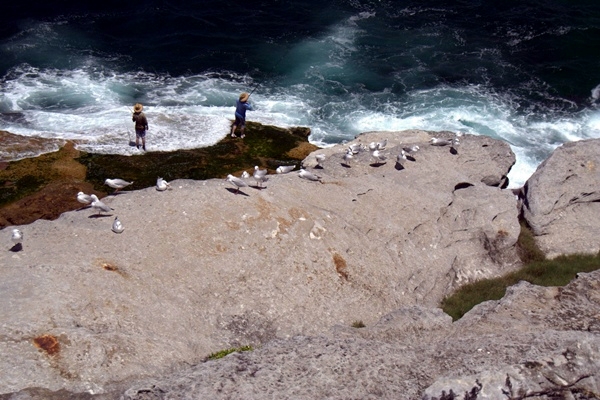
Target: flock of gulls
378,150
378,154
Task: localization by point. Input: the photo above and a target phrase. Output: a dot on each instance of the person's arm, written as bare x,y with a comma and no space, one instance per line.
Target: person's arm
145,123
249,107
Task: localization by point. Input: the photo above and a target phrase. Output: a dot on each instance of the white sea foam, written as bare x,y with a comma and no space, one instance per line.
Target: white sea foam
322,88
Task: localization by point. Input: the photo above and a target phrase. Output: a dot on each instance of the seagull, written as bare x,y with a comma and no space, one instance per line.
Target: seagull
439,142
355,148
373,146
17,236
237,182
411,149
260,175
84,198
284,169
348,156
245,175
117,184
381,145
455,142
320,158
162,185
117,226
308,175
378,156
401,157
98,205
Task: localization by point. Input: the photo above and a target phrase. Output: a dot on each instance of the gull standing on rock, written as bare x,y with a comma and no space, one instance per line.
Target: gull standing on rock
84,198
308,175
355,148
117,226
378,156
260,175
98,205
284,169
401,157
245,175
162,185
454,145
237,182
348,156
117,184
320,158
17,236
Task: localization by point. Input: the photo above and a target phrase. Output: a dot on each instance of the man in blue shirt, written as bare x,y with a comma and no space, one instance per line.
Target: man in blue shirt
240,114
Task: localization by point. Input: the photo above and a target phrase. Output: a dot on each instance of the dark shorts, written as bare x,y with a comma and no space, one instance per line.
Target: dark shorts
239,121
141,133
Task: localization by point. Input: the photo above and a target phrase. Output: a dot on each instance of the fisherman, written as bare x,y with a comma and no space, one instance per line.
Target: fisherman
141,125
240,114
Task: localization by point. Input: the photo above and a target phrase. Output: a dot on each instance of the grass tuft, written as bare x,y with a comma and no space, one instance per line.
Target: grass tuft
223,353
537,270
358,324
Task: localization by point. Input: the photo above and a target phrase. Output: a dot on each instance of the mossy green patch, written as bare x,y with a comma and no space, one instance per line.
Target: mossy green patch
536,270
223,353
265,146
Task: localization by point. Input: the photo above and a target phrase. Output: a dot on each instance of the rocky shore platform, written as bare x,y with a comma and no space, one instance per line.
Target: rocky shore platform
44,187
294,267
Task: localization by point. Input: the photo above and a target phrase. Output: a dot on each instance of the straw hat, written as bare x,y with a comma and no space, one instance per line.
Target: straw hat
244,96
138,107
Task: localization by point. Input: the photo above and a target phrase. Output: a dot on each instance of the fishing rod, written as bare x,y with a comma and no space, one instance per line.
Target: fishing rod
128,131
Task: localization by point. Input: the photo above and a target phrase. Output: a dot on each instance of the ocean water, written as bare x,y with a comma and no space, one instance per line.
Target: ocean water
527,72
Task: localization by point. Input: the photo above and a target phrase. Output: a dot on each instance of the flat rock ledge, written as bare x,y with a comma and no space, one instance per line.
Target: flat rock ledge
287,267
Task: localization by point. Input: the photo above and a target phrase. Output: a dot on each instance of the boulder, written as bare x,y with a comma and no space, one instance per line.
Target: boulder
203,267
561,200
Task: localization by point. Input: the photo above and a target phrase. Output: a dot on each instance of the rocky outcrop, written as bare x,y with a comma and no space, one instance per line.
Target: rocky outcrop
535,340
562,200
201,268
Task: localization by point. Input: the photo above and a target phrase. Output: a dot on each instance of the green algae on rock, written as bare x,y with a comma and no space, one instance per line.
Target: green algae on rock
46,186
265,146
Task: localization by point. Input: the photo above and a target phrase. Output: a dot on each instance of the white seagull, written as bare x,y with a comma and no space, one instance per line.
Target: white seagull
245,175
84,198
117,226
320,158
162,185
411,149
98,205
401,157
284,169
117,183
237,182
378,156
355,148
17,236
308,175
381,145
440,142
260,175
348,156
